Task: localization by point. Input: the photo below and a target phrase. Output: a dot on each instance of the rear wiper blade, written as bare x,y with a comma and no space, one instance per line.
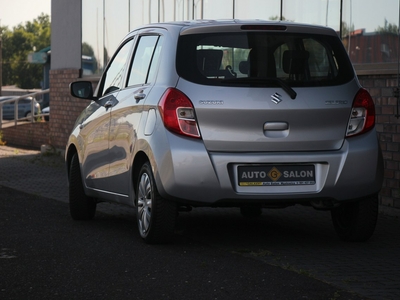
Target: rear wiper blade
287,88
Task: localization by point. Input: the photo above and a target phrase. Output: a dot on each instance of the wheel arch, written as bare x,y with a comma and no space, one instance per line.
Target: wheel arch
68,157
140,159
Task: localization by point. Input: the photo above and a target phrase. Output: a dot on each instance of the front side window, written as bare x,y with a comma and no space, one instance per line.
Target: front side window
113,77
262,58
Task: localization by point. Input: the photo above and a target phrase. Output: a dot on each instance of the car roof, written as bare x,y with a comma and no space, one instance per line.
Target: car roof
3,98
194,26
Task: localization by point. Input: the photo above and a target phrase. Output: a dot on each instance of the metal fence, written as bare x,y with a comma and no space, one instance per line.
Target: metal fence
35,115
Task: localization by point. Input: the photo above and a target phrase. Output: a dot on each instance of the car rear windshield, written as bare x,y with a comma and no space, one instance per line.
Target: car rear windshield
263,59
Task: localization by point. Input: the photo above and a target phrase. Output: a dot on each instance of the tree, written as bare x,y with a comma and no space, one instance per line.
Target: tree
278,18
17,44
388,28
89,61
347,29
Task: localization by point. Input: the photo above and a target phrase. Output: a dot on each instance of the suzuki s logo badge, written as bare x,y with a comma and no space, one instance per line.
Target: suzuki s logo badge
276,98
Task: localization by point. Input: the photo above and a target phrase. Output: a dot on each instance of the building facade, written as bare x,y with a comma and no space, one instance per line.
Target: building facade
85,33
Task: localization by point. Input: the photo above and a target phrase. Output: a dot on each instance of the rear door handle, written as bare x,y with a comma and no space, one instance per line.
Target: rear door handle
139,96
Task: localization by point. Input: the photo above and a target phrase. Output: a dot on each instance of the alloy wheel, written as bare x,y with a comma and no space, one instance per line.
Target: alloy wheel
144,203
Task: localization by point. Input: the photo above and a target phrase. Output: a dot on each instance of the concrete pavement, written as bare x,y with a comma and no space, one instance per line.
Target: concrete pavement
296,238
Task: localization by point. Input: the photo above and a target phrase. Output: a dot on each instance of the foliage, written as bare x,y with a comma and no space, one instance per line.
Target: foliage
17,44
2,143
278,18
88,51
388,28
346,29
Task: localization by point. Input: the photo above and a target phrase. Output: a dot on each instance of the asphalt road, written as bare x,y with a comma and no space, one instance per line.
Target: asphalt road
44,254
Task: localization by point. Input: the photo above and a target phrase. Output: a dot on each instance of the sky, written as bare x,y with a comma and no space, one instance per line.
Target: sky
14,12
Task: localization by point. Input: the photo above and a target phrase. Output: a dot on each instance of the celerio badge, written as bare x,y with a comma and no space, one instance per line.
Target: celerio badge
211,102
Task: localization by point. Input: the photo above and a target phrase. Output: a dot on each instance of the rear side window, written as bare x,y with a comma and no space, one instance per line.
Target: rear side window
251,58
145,60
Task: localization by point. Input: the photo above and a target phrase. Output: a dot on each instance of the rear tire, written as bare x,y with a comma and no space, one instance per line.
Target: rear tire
81,207
356,221
156,216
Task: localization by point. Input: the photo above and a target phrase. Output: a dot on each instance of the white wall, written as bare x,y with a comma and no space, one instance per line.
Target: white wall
66,34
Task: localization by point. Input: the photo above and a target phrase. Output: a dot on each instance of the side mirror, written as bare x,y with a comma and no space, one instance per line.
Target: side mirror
82,89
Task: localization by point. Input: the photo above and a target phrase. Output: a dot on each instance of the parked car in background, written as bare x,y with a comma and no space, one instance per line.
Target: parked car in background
24,106
247,114
46,111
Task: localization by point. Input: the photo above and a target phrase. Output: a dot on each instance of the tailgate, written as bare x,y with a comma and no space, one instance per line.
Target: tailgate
249,119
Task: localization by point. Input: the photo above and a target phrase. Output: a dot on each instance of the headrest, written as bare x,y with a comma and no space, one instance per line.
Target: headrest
209,60
244,67
294,61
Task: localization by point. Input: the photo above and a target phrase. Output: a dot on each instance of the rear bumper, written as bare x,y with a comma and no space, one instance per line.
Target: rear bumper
190,174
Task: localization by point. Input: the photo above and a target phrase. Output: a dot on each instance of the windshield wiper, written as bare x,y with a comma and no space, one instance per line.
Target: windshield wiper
262,80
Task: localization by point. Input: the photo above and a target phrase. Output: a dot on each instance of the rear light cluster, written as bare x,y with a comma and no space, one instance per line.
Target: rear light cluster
362,118
177,113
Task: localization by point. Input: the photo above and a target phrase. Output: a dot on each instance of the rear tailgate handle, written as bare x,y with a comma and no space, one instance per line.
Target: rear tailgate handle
276,126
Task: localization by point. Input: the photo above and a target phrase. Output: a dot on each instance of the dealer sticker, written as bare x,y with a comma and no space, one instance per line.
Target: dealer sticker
276,175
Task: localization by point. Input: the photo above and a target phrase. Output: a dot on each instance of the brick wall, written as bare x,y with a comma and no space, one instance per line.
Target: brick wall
64,108
29,135
388,128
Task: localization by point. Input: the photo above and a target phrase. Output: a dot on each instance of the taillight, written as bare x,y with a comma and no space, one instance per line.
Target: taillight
178,114
362,118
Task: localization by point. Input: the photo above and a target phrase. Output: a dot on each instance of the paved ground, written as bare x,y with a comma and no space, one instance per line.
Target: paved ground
297,238
46,255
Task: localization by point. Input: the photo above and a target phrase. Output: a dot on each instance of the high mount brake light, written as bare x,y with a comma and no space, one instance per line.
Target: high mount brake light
177,113
263,27
362,118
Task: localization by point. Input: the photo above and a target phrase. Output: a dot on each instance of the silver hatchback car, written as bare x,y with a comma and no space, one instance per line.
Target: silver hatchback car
247,114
